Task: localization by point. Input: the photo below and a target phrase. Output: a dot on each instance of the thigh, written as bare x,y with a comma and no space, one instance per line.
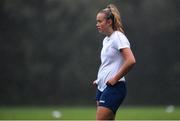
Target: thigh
104,113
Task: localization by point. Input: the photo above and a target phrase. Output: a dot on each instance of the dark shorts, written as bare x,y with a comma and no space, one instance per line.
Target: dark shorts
113,96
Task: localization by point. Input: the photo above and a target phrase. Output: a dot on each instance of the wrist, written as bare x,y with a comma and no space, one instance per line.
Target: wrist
116,78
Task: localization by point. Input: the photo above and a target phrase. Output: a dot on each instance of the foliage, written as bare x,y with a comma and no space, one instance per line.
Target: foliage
50,50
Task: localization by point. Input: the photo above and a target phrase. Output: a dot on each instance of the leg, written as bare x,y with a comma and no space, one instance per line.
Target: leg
104,113
97,103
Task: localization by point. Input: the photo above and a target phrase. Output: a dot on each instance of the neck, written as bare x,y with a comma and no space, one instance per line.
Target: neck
109,32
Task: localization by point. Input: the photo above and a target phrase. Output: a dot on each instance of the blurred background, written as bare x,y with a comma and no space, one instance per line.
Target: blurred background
50,51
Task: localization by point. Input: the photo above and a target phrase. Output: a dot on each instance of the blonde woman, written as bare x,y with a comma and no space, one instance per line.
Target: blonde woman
116,61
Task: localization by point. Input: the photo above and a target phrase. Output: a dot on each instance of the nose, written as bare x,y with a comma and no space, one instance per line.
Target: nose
97,25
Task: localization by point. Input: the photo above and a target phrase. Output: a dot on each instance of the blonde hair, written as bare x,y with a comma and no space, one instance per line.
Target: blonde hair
113,13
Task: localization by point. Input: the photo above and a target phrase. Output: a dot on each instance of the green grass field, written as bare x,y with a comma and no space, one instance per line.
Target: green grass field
86,113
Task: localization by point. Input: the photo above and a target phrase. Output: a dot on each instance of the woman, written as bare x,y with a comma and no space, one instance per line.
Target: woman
116,61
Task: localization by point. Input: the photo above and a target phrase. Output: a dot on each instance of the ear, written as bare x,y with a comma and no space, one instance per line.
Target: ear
109,22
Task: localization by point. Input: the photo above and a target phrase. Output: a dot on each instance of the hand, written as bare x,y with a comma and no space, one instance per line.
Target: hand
111,82
94,83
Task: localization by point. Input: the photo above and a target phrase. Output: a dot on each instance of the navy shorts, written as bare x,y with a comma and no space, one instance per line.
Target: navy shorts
113,96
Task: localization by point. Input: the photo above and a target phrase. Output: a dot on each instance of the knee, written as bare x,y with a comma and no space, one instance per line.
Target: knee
104,114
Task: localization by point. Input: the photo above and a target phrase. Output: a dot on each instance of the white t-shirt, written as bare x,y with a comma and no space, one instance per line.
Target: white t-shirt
111,58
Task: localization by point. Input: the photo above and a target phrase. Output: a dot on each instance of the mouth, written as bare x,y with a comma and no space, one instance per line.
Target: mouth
98,28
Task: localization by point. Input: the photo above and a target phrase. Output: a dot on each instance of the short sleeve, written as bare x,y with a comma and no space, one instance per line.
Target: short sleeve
120,41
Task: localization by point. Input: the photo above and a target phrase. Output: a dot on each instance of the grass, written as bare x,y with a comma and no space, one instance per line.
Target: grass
87,113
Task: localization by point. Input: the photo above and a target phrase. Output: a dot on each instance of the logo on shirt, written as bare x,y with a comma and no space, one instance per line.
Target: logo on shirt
102,101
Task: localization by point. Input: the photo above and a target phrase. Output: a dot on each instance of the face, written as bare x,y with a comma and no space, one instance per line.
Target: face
102,24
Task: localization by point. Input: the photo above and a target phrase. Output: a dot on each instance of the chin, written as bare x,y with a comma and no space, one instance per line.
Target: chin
101,32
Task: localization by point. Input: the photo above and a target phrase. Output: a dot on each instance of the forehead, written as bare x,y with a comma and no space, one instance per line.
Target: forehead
100,16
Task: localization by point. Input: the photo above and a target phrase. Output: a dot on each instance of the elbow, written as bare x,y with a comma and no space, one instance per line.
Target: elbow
133,62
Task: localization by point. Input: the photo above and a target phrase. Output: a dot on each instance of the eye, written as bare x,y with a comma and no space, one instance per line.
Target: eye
99,21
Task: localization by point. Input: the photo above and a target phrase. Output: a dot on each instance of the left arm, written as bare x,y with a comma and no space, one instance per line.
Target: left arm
129,61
